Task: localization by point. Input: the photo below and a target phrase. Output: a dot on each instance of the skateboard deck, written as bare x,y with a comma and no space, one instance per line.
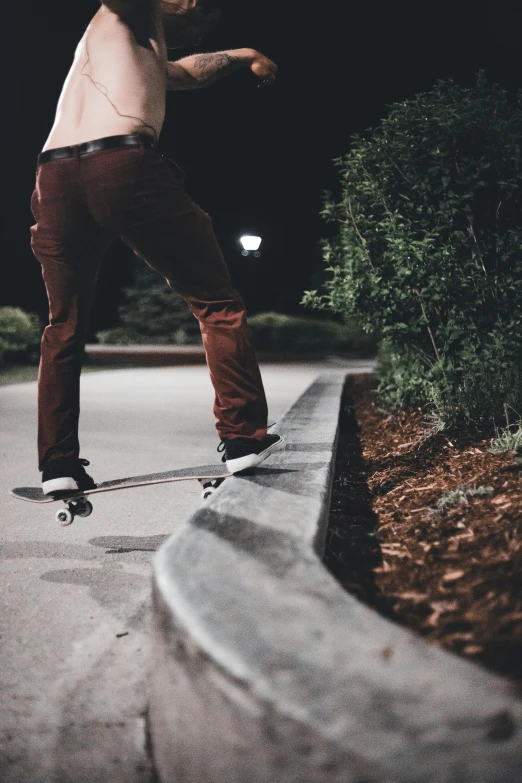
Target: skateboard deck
209,476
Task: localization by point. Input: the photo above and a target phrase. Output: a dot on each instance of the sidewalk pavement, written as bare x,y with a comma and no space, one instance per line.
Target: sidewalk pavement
75,602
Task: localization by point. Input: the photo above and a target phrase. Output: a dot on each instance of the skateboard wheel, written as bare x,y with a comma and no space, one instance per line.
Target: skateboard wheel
83,508
207,492
64,517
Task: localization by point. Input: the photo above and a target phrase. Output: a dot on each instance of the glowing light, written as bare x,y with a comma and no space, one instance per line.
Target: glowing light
250,242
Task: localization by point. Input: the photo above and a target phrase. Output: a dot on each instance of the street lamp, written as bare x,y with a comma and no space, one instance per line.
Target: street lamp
250,244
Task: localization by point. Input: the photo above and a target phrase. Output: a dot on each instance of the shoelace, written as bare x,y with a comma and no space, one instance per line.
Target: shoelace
222,444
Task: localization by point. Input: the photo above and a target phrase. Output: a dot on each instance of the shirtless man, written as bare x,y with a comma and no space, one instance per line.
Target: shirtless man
100,176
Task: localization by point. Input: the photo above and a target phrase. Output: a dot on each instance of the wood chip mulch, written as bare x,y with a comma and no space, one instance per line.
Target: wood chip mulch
455,576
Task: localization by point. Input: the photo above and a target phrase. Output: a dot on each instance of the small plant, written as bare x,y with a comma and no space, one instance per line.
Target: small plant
507,439
434,424
457,497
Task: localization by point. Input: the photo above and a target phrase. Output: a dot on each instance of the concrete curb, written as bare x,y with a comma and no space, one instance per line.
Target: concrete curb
265,671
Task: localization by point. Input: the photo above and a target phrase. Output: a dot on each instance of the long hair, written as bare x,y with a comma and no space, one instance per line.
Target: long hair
189,23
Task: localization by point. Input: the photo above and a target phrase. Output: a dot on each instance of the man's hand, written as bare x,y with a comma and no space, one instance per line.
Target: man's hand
264,68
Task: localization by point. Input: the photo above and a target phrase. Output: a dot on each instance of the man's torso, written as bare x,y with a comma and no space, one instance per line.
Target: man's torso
115,85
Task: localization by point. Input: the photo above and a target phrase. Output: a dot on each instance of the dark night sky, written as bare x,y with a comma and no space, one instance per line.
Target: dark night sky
256,160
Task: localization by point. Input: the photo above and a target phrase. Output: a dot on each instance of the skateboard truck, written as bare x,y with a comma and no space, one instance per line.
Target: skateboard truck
79,507
209,486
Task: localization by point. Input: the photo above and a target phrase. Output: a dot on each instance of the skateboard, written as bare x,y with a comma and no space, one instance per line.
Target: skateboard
76,504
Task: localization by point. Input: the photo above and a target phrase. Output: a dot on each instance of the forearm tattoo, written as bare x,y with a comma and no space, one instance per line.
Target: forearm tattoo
214,65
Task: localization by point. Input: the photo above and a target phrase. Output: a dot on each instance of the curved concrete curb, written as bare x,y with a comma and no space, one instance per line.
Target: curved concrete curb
266,671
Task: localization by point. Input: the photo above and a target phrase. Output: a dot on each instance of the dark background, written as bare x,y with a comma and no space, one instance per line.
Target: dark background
256,160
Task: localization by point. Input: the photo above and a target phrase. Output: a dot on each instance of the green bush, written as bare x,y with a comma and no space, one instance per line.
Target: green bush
280,332
152,314
402,378
20,333
427,249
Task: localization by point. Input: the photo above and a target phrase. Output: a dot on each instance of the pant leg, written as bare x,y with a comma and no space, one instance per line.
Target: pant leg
69,245
148,207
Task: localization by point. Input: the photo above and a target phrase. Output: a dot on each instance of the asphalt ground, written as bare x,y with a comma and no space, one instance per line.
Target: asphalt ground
74,601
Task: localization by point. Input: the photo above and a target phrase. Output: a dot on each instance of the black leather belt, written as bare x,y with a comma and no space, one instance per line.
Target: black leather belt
129,140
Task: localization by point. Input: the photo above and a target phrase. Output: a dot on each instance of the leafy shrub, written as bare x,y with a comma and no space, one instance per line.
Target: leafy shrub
427,248
280,332
152,314
402,378
20,332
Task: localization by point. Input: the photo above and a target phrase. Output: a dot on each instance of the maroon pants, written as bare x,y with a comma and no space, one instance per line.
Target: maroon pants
80,204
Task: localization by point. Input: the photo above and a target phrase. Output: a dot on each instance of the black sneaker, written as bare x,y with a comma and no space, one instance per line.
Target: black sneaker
64,474
243,453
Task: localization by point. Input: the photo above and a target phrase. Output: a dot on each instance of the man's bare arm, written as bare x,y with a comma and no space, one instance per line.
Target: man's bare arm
201,70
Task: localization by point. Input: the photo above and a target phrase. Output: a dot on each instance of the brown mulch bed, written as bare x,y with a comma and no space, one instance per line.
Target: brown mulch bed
454,577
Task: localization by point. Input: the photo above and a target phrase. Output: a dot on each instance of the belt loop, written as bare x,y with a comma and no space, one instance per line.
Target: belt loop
147,142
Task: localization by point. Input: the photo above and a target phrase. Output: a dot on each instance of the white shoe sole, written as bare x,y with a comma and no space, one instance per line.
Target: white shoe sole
253,460
59,485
